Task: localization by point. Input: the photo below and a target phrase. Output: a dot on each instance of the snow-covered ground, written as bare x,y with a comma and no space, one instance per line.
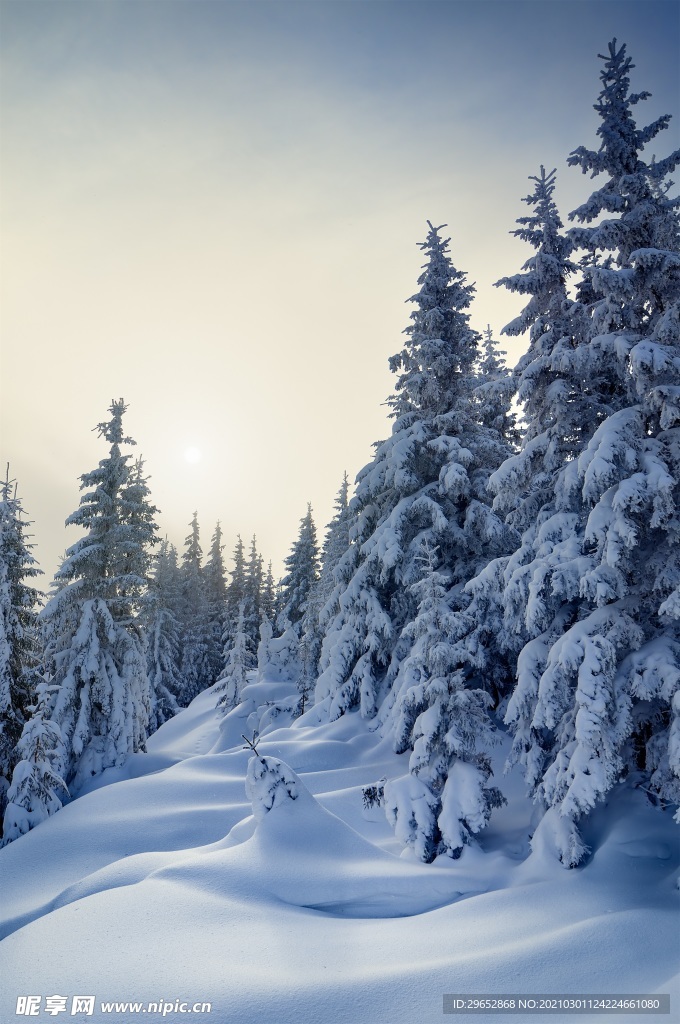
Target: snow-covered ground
160,884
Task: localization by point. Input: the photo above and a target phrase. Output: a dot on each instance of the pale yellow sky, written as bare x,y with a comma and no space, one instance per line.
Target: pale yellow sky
213,211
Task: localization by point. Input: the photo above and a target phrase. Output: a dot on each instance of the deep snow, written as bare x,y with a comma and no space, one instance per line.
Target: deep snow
160,884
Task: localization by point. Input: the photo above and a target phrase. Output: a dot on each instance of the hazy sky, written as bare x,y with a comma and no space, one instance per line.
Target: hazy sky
213,210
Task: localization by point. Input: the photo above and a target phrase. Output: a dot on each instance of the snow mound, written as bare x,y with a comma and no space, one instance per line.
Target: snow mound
262,707
310,858
270,783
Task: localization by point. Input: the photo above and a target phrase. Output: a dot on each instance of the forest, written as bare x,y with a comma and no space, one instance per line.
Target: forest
506,566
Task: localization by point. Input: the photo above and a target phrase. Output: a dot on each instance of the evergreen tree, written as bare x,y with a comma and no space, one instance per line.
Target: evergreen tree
597,681
554,423
635,192
192,591
98,695
269,601
37,788
316,613
338,563
168,575
196,633
336,543
520,596
337,537
237,656
278,660
446,797
215,585
427,482
19,631
254,583
236,593
138,518
495,390
559,405
163,636
309,647
303,572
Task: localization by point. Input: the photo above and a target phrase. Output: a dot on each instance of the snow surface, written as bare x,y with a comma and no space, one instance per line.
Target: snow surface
160,883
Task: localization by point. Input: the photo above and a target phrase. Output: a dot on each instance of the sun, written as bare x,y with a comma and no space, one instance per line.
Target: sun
192,455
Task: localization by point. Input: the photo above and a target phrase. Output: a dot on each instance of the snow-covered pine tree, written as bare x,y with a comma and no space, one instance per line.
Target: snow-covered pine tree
524,595
138,517
303,572
445,798
268,601
37,788
598,686
236,593
634,192
336,540
310,627
309,647
215,588
278,661
98,695
236,663
308,652
485,651
495,390
560,408
163,637
427,482
19,631
336,543
254,582
196,635
559,405
320,605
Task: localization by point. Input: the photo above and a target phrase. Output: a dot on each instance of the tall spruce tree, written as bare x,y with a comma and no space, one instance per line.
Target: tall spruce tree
303,572
446,797
321,602
269,600
236,663
37,789
426,483
20,647
215,586
336,543
236,593
196,667
538,585
597,682
163,637
560,408
254,583
559,405
495,390
98,699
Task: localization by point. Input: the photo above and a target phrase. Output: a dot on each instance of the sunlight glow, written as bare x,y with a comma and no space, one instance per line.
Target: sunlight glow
192,455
